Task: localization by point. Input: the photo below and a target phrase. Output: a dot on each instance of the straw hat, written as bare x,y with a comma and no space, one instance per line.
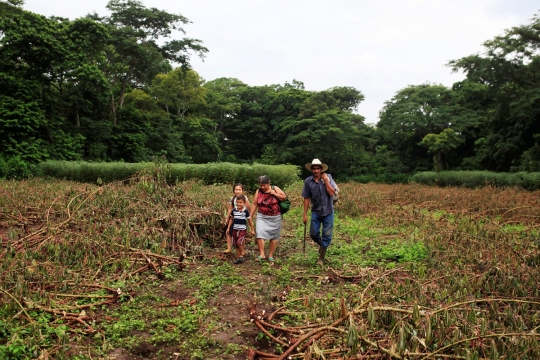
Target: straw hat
317,162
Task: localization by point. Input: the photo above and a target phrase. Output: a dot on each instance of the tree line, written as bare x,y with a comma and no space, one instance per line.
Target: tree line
121,88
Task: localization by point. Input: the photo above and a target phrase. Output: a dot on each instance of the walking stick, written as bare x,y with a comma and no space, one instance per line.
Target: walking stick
304,238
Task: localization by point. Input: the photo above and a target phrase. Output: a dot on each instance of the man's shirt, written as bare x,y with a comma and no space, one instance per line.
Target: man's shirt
321,202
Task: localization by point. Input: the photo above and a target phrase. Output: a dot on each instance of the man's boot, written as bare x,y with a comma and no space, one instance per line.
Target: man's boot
322,254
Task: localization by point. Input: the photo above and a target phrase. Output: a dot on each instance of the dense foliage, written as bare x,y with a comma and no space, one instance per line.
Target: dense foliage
120,88
476,179
210,174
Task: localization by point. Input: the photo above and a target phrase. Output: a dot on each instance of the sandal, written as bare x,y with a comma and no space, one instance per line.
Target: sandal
260,258
228,251
239,260
271,259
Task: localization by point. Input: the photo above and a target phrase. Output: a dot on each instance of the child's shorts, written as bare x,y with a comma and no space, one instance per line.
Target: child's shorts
238,238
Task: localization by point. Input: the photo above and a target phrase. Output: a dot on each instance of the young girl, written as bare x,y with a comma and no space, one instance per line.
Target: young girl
241,218
238,190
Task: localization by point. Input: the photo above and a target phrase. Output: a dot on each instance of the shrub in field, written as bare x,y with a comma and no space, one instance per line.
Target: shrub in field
16,168
381,178
476,179
211,173
3,167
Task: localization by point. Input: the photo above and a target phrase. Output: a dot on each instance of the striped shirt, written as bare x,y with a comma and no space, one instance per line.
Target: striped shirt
240,219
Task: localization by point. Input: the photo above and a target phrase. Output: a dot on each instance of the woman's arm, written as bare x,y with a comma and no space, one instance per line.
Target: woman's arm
255,204
277,192
251,227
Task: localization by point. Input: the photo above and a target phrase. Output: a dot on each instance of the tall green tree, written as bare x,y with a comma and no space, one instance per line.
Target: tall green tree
180,92
508,75
223,104
415,112
46,62
140,48
327,127
439,145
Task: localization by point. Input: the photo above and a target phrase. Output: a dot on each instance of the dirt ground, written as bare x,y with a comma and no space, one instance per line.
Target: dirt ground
232,305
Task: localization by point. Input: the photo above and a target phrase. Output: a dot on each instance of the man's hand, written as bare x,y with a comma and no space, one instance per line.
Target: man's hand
324,177
305,219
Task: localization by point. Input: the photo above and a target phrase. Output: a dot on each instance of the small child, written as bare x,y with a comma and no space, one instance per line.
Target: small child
240,220
238,190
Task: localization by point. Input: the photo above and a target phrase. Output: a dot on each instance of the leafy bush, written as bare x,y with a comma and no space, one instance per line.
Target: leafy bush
476,179
3,167
385,178
211,173
16,168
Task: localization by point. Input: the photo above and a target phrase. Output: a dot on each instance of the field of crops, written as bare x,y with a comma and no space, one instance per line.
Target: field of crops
136,270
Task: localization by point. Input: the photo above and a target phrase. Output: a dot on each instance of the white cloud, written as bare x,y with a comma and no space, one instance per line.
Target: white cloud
379,47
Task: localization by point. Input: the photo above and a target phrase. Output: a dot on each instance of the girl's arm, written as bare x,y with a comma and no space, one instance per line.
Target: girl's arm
229,212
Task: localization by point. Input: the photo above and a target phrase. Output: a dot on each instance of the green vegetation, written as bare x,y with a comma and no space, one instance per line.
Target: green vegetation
475,179
120,88
213,173
137,269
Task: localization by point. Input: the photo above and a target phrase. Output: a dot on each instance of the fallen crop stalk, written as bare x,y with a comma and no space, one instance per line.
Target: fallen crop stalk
80,321
269,335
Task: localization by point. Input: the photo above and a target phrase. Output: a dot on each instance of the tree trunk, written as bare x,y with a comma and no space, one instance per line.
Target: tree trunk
113,109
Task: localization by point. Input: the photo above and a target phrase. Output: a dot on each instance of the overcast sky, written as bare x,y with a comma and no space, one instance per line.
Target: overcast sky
378,47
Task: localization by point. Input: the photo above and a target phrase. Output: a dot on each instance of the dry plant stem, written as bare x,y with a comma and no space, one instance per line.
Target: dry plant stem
269,335
85,296
64,311
311,341
254,352
144,268
138,251
58,226
306,337
436,352
18,303
384,350
69,204
375,280
272,315
302,327
153,266
79,320
443,356
290,330
42,242
349,277
482,300
94,286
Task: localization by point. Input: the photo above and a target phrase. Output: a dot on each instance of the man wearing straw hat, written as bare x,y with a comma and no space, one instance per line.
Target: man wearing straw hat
319,190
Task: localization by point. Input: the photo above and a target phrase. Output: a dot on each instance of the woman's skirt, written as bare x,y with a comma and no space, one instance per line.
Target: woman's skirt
268,227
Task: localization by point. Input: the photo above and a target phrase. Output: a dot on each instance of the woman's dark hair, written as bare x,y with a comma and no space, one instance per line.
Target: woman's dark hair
237,184
264,179
241,197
